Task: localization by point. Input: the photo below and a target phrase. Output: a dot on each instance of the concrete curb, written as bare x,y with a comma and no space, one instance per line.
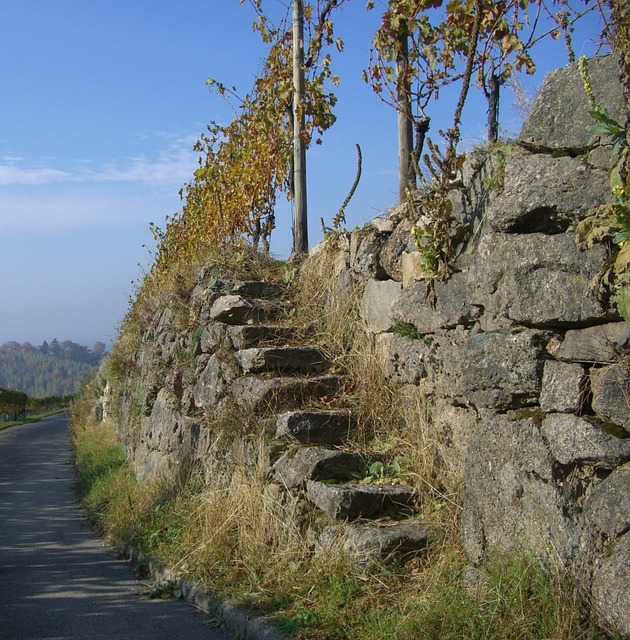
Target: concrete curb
238,621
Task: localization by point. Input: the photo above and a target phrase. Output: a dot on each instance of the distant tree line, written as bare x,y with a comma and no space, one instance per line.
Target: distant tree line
51,370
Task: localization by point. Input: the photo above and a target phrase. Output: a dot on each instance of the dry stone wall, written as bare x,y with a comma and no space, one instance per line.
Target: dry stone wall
525,371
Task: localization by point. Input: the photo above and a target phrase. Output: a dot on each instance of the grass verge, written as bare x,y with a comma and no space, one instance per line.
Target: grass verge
242,540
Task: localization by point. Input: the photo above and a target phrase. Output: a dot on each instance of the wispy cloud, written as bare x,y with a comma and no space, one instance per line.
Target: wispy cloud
83,205
169,167
13,174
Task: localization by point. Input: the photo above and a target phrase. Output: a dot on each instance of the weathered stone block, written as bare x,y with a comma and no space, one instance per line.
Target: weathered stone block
494,370
214,382
575,440
412,269
368,541
399,242
603,343
295,467
511,498
451,427
535,279
560,118
448,308
546,194
608,506
259,359
610,592
212,337
365,254
376,305
331,427
358,501
563,387
401,358
610,386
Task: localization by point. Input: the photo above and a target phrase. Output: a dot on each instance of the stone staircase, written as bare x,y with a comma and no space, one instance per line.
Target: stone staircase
310,454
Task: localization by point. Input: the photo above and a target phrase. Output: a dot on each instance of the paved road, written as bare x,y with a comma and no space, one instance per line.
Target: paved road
57,581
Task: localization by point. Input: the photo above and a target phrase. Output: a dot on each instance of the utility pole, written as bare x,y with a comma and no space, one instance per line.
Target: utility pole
300,221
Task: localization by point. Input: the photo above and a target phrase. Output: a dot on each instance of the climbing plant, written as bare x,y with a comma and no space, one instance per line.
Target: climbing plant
246,164
424,46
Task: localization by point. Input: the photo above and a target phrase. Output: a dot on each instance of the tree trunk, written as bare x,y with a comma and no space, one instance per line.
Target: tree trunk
300,221
406,169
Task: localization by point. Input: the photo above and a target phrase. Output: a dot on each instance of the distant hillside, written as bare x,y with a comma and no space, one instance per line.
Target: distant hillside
51,369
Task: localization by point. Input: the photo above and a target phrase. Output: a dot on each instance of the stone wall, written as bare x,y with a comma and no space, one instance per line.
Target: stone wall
525,371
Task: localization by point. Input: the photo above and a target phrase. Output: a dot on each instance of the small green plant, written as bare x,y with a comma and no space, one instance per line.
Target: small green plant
164,589
382,472
611,223
499,153
406,330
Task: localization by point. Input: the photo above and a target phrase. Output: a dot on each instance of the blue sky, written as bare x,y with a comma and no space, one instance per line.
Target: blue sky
100,105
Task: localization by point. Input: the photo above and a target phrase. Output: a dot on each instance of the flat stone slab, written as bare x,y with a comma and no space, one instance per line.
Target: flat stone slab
247,288
296,467
259,359
603,343
208,290
256,393
311,427
235,309
249,335
378,541
341,501
575,440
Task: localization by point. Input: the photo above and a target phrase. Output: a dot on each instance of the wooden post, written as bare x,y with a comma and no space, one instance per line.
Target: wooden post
406,170
300,221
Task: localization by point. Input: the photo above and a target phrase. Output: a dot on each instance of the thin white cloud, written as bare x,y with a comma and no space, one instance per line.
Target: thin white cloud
169,167
87,205
11,174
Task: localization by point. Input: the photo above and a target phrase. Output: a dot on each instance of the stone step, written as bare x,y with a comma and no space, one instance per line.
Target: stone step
351,501
216,287
207,291
274,394
251,335
235,309
379,540
315,427
261,359
295,467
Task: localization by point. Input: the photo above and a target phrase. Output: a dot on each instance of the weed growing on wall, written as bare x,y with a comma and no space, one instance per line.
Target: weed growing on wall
611,223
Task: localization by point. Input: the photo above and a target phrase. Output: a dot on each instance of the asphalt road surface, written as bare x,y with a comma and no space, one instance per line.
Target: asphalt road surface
57,580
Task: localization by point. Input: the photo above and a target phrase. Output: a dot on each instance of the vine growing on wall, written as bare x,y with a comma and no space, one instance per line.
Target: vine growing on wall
460,43
246,164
